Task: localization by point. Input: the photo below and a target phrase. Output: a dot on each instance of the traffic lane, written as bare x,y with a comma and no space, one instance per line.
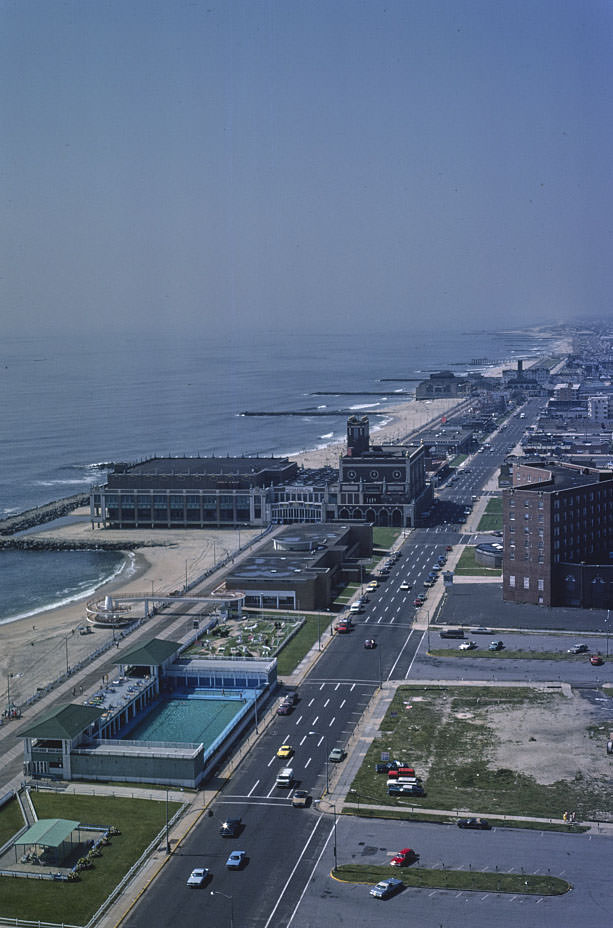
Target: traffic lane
519,641
281,843
501,670
361,664
580,859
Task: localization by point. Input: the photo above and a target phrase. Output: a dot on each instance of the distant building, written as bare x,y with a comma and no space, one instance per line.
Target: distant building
558,536
381,484
442,384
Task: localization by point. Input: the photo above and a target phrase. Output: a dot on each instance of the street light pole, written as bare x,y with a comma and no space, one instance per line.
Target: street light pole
333,804
428,627
217,892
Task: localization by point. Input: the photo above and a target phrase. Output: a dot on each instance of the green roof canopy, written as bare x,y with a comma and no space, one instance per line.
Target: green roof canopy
49,832
63,722
152,653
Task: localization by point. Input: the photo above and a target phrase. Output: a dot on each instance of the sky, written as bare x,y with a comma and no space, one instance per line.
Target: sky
199,165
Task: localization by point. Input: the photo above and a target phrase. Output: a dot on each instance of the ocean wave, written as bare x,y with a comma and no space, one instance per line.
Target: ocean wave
324,406
76,595
327,435
73,481
365,405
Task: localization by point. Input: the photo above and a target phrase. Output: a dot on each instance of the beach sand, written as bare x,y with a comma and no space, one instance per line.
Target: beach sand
33,649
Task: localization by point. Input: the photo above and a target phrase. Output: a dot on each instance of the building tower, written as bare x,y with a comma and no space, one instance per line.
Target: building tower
358,436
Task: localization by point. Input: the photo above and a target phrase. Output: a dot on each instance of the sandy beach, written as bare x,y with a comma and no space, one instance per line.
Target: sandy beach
30,647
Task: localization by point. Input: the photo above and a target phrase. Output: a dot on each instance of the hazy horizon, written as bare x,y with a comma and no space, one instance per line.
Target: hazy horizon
192,167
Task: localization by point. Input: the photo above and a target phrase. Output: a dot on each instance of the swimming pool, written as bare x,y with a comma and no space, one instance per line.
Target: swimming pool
190,719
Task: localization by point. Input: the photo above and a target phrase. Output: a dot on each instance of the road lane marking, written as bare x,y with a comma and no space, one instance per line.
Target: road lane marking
311,702
253,787
343,703
315,720
290,877
351,688
307,763
271,761
320,740
336,687
298,721
321,687
326,702
332,721
303,740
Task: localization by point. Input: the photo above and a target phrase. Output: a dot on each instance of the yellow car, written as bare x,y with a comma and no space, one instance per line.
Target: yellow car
372,585
285,751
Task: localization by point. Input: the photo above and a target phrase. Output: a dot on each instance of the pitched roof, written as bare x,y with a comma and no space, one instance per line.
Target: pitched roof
48,832
150,654
66,721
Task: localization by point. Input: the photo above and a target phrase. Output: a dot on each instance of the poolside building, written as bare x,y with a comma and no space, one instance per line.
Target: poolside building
196,707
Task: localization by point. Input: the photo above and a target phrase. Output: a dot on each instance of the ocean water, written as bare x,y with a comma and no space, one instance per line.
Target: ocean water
71,407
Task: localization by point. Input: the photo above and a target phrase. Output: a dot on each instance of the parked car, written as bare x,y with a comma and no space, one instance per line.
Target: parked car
198,877
291,698
370,643
400,770
480,824
236,860
230,828
577,649
385,766
480,630
404,857
596,660
284,709
342,628
336,755
356,608
372,585
419,600
452,633
495,646
405,789
467,646
386,888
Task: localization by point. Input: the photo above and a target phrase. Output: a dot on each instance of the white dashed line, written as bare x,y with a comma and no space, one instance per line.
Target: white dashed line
332,721
253,787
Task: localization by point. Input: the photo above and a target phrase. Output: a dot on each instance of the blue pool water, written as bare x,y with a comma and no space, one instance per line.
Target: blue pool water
189,720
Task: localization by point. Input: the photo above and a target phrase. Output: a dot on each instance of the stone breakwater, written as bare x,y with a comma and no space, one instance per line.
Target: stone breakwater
52,544
41,514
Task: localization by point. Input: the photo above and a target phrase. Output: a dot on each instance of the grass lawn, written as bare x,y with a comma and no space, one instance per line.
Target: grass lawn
448,732
384,537
11,820
491,520
468,567
139,820
517,883
458,459
292,653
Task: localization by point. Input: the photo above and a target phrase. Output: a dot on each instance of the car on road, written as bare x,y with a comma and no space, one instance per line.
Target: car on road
198,877
286,750
578,649
230,828
479,824
481,630
448,547
342,628
495,646
596,660
467,646
301,799
404,857
405,789
428,582
373,585
370,643
291,698
419,600
405,585
236,860
336,755
284,709
386,888
356,608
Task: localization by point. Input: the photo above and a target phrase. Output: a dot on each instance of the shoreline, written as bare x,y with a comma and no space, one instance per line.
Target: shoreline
163,558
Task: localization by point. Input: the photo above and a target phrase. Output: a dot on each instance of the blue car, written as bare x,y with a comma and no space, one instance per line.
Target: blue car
236,860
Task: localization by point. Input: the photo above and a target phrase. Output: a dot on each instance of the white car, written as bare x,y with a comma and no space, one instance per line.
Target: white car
467,645
405,585
198,877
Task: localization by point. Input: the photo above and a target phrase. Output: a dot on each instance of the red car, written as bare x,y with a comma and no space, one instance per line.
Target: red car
404,857
342,628
596,660
400,771
419,601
